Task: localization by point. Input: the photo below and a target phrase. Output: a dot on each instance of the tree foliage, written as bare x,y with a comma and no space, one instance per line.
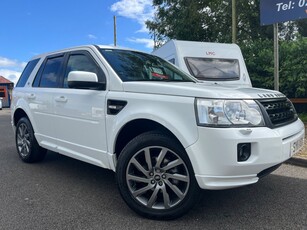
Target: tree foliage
259,58
210,21
206,20
293,68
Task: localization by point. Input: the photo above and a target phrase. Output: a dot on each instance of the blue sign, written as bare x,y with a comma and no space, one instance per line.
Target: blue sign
274,11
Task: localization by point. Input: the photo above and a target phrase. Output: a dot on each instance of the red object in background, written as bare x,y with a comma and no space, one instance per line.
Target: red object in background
4,95
156,75
2,91
6,86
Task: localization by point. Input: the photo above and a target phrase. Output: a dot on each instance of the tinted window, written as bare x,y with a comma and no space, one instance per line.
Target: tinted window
81,62
26,73
213,68
137,66
51,73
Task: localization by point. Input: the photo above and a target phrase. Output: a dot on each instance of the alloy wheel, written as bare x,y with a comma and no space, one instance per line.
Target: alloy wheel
23,140
157,177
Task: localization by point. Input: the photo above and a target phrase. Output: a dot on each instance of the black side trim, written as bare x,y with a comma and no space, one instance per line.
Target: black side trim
115,106
267,171
87,85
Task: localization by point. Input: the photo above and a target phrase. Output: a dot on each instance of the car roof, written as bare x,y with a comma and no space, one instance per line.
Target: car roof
82,47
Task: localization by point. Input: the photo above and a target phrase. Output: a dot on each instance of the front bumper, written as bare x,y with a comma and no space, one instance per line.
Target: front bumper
214,155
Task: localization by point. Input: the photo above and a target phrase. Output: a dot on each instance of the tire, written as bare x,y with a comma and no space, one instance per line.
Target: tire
27,147
155,177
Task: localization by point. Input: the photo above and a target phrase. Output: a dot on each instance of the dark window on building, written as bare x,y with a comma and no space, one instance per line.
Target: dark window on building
51,74
82,62
26,73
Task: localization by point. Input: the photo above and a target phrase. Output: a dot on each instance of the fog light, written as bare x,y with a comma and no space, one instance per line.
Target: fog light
244,151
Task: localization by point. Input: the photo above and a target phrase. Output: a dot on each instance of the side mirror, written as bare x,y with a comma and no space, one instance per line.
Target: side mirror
84,80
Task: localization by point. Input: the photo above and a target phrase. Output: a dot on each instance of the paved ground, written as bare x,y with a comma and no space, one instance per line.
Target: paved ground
62,193
303,153
300,159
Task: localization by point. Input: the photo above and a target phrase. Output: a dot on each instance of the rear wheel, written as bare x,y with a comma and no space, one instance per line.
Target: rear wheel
155,177
27,147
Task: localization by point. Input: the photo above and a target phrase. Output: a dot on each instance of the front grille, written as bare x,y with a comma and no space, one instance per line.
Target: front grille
279,111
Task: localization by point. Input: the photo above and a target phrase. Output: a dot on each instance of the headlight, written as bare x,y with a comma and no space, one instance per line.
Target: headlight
212,112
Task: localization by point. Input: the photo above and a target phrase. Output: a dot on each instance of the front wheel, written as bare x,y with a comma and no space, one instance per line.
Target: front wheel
155,177
27,147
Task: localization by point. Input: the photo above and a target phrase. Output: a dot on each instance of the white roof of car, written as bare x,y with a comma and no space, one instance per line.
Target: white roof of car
82,47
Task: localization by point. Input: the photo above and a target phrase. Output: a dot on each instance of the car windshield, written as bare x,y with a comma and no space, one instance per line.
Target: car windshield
213,68
137,66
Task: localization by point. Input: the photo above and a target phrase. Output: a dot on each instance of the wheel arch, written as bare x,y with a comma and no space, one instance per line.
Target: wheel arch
136,127
18,114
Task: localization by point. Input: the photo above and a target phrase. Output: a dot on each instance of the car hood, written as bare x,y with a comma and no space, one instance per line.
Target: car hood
203,89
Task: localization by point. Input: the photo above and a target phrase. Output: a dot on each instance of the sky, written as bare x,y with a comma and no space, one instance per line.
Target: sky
31,27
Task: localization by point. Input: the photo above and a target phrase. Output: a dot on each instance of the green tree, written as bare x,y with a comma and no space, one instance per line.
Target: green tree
206,20
259,58
293,68
179,19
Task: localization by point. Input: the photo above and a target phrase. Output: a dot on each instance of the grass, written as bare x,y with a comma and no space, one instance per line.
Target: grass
303,117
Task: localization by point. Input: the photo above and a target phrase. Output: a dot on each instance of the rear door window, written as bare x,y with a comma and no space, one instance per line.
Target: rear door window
50,73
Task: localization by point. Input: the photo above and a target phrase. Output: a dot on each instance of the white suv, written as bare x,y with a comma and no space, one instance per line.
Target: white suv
163,132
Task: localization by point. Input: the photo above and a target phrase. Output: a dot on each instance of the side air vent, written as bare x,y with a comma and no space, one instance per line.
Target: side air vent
115,106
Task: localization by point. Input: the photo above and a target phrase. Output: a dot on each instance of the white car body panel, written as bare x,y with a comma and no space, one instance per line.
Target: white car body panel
216,168
172,112
78,114
204,90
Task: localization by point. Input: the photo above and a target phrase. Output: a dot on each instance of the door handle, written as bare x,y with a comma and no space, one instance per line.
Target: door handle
61,99
31,96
